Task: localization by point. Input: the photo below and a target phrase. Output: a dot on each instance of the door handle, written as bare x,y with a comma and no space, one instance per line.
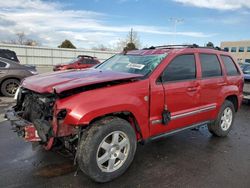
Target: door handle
222,84
192,89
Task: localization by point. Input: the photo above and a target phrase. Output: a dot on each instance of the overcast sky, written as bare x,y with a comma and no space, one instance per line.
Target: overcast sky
88,23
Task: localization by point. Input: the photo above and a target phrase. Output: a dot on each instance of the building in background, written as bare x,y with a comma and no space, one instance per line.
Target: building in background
239,49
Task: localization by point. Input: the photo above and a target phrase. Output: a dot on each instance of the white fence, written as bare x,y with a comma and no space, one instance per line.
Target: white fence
50,56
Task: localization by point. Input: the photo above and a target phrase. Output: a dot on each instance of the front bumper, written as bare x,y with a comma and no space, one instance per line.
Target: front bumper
22,127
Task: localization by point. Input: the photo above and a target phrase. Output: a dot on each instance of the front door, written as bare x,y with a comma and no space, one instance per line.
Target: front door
3,69
178,89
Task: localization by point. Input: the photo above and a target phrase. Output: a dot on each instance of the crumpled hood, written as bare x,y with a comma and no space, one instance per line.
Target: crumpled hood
66,80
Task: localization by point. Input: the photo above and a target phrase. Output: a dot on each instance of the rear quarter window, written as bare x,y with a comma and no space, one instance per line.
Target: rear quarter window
230,66
210,65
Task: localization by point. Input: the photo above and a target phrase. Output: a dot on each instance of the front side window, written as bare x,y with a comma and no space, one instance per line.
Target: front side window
241,49
182,67
230,66
233,49
210,65
90,61
136,64
248,49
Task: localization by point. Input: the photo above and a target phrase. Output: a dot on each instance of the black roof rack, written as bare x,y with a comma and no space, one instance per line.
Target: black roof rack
182,46
87,56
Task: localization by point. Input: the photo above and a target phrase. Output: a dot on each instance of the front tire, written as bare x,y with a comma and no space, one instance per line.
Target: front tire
108,149
222,126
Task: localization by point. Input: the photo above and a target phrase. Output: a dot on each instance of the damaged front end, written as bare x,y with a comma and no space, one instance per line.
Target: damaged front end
36,119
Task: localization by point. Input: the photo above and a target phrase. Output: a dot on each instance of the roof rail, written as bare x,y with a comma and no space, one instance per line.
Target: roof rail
182,46
87,56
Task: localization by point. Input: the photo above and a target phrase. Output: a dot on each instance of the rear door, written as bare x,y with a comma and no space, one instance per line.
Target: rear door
179,91
212,83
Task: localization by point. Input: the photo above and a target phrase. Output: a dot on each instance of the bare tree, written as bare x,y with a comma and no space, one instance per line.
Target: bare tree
30,42
20,38
132,37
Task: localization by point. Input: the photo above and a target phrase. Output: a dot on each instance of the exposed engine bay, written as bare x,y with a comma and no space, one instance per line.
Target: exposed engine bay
35,118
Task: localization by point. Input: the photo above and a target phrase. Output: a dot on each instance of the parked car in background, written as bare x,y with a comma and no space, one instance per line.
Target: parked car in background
81,62
246,71
11,74
100,114
246,91
8,54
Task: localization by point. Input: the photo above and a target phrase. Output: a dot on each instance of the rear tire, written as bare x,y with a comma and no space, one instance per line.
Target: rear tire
107,150
223,124
9,87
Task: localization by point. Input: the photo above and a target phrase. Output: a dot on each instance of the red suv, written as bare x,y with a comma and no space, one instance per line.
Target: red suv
100,114
81,62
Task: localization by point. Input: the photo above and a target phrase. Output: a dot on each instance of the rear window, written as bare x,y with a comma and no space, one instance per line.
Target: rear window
210,65
231,69
8,54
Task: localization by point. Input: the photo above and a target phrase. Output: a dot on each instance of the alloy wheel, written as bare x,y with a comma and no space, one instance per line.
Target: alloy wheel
113,151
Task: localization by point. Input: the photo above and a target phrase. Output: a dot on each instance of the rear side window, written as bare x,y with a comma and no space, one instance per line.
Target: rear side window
90,61
210,65
230,66
2,64
180,68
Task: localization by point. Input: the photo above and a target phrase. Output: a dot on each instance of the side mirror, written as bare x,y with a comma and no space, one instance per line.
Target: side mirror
160,79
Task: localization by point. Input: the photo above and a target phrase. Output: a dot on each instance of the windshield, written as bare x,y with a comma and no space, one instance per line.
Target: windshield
136,64
73,60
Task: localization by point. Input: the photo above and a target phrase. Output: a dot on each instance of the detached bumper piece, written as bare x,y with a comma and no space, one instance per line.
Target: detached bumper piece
32,132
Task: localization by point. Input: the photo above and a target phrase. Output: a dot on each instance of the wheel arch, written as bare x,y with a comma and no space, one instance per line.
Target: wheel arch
8,78
234,99
126,115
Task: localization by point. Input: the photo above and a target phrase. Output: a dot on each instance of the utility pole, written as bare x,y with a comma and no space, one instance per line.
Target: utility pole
131,35
175,22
